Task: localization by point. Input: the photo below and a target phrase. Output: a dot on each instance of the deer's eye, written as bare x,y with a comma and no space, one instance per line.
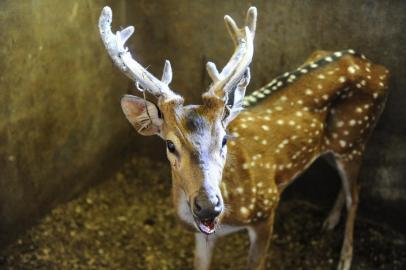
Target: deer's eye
170,146
224,142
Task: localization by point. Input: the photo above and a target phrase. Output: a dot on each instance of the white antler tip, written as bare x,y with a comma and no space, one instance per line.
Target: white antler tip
167,74
126,33
107,12
252,10
251,19
210,65
105,19
228,19
213,72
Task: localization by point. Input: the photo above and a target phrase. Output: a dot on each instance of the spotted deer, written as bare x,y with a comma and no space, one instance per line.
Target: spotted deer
231,157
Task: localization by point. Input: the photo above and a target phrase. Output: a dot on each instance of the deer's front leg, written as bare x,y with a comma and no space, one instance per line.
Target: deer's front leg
204,246
260,237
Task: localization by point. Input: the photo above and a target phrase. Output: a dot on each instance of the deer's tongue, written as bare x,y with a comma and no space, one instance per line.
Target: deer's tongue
207,226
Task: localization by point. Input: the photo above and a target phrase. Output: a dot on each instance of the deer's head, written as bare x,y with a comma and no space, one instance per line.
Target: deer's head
195,135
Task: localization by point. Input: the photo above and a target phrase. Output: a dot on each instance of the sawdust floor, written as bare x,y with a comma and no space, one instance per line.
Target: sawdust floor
128,222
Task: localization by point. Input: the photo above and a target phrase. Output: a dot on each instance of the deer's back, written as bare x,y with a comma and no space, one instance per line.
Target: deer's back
330,104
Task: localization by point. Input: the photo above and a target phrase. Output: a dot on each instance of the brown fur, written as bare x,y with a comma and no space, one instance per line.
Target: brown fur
280,137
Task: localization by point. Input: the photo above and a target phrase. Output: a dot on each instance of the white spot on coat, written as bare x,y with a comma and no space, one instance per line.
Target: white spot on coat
351,69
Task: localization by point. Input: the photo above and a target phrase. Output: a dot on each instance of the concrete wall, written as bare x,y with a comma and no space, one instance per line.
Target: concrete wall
60,121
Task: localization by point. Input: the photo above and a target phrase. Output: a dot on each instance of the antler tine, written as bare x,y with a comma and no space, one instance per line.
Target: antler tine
122,58
236,67
251,20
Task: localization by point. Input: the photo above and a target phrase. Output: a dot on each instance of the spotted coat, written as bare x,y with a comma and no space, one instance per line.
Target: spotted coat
330,104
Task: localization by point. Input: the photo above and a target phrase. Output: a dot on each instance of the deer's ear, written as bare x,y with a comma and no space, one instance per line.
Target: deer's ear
142,114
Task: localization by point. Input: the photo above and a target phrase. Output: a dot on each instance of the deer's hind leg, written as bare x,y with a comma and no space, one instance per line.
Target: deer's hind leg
349,171
334,215
333,218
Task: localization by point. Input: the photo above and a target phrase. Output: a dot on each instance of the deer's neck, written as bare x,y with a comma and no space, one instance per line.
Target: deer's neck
247,199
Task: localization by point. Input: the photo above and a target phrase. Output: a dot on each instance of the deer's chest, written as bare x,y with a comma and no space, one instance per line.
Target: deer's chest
250,195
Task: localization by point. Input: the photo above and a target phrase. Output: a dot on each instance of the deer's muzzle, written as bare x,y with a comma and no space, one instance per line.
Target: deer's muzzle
207,206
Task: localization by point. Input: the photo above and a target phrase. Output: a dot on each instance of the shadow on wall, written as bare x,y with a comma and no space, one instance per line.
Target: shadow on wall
61,127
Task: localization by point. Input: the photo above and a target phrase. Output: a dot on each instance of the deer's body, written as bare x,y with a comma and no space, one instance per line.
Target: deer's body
327,106
330,107
322,111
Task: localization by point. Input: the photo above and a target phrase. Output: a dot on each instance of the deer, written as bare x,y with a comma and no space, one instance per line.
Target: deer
232,156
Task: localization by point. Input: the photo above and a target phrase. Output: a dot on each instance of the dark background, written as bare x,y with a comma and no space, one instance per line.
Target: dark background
61,126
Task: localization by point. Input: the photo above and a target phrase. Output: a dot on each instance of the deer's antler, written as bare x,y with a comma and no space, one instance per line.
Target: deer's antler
122,58
237,67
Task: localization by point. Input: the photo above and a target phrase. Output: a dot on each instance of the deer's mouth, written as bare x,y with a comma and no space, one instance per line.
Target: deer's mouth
206,226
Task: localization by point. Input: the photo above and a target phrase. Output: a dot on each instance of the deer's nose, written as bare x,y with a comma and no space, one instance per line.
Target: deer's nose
207,206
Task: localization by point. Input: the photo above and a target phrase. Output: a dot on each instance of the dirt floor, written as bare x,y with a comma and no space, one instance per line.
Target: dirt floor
128,222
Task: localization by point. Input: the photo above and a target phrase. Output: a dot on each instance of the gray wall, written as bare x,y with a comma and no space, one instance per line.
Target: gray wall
61,126
60,121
